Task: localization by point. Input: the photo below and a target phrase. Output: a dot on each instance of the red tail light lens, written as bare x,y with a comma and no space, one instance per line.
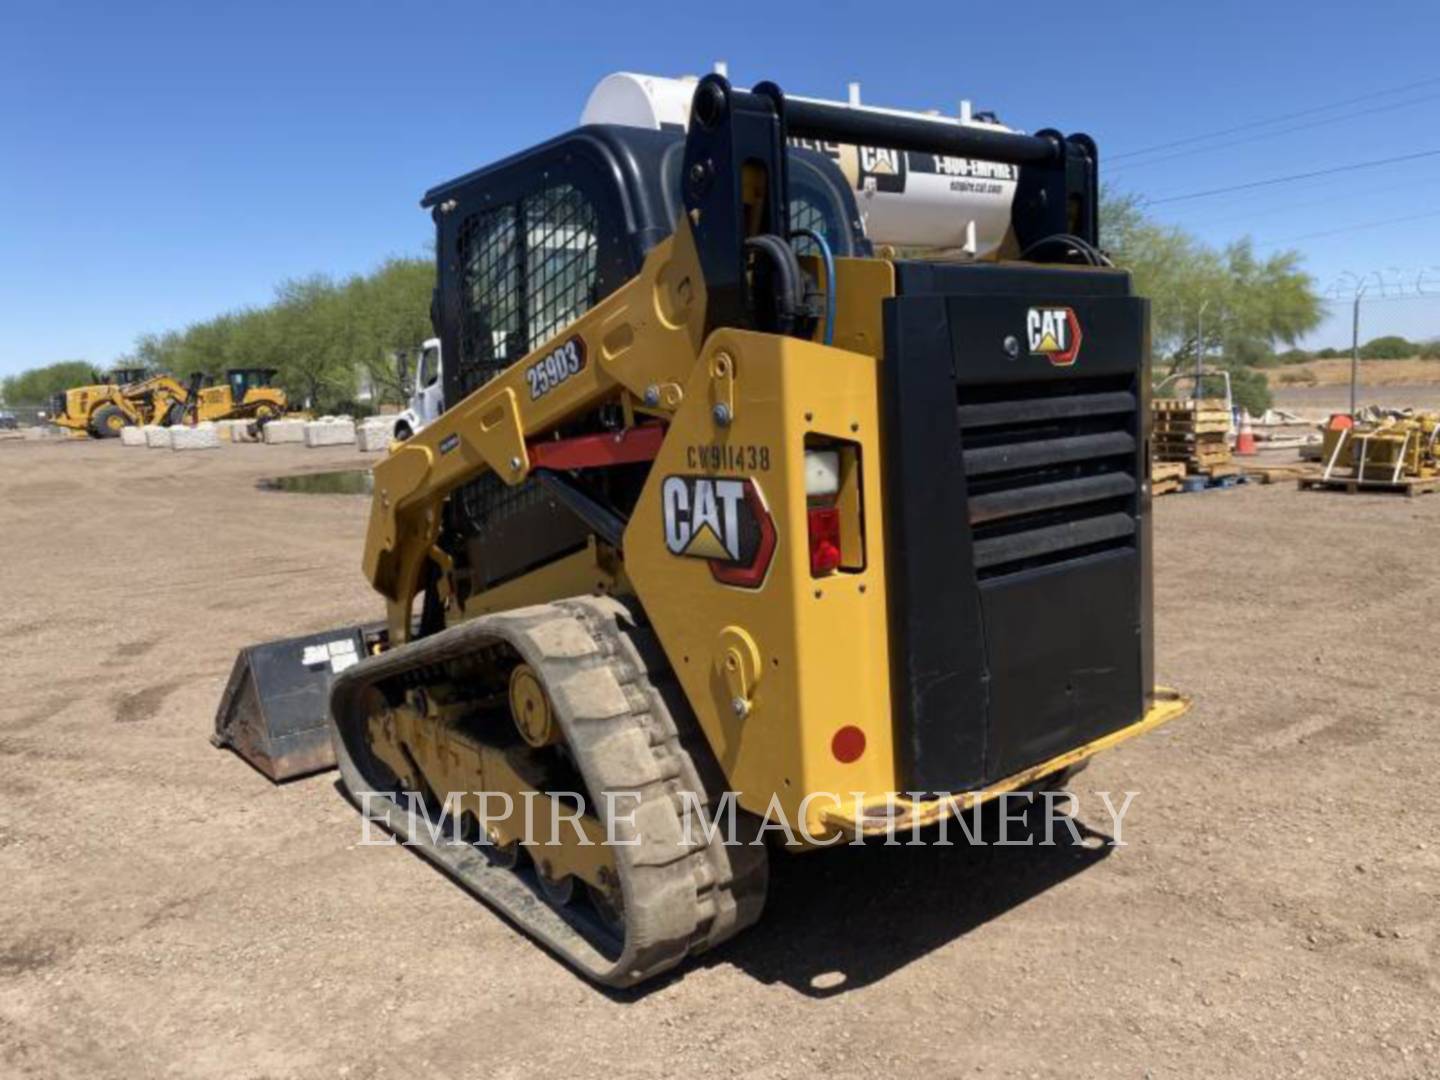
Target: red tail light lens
824,540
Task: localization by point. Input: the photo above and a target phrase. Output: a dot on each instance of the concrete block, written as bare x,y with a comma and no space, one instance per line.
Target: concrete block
132,436
157,437
200,437
45,432
284,431
375,433
245,431
336,431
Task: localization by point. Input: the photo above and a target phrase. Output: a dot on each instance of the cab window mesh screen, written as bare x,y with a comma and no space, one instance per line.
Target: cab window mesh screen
561,258
521,286
527,270
491,335
810,213
487,500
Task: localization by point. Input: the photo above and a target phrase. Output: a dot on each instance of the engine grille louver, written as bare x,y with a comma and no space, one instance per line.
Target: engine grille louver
1051,471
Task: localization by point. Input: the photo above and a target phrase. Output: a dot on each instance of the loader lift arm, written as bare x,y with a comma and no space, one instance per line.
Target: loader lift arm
646,334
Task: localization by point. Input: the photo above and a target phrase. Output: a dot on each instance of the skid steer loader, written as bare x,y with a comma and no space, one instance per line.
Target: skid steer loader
732,516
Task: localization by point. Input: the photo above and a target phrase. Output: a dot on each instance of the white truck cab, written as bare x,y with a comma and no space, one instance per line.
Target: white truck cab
427,397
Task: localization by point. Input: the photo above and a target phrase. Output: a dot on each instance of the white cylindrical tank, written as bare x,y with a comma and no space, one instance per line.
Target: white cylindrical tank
905,198
648,101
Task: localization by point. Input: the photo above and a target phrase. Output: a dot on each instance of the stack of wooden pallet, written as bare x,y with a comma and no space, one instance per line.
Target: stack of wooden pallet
1165,476
1194,433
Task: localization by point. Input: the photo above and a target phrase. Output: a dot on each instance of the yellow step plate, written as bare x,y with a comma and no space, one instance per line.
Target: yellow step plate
901,814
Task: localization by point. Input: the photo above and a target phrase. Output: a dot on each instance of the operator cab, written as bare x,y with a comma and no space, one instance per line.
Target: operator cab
593,202
243,380
125,376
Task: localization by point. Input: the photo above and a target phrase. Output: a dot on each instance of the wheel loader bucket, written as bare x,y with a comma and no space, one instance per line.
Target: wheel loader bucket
273,712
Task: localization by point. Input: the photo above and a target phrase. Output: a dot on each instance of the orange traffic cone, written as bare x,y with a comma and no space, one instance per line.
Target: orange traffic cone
1245,441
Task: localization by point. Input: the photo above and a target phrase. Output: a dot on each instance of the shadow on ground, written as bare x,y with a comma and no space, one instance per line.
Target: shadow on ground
846,917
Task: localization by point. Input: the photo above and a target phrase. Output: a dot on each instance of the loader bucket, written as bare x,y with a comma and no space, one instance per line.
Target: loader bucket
273,712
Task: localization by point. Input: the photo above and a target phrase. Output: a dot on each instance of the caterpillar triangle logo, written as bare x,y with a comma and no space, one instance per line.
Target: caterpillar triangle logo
881,169
723,520
1054,332
704,544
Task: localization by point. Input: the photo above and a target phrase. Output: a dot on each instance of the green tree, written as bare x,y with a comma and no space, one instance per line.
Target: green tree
1251,303
319,334
35,386
1262,302
313,341
1169,266
395,310
1251,389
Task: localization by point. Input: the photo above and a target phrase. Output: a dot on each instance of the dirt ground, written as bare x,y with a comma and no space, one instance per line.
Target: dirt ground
1411,383
165,912
1318,402
1335,371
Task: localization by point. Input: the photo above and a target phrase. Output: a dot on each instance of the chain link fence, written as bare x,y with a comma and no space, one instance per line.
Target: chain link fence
21,416
1394,334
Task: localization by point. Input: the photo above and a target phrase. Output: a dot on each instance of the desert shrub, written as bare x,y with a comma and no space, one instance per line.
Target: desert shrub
1390,347
358,409
1251,390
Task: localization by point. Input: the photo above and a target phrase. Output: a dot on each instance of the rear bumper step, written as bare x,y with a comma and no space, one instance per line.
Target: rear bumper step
900,813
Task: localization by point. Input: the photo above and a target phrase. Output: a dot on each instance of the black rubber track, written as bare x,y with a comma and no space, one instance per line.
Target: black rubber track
627,729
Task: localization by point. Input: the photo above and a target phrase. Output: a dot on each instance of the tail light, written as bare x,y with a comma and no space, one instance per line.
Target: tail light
824,540
822,489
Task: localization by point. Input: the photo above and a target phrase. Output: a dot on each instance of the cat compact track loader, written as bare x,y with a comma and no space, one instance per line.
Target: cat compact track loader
734,516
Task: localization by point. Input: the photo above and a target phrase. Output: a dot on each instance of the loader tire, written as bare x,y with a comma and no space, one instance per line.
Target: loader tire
107,422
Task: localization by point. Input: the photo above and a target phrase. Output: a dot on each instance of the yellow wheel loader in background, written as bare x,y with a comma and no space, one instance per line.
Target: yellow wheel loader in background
127,397
735,517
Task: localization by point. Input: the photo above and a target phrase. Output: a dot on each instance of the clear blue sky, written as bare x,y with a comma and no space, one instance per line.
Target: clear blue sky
162,162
